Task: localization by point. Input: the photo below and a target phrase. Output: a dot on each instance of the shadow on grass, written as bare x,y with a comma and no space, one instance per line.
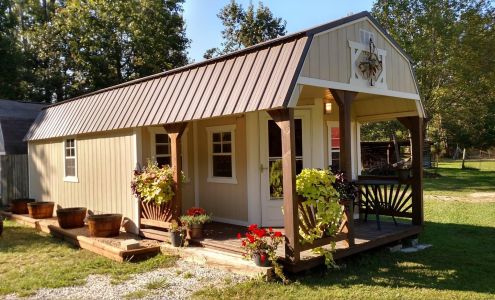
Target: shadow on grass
462,258
22,239
458,180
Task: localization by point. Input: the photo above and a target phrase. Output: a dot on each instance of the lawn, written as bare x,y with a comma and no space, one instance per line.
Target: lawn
460,265
30,260
479,178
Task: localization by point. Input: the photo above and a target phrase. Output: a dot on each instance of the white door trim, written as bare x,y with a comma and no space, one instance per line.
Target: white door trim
275,206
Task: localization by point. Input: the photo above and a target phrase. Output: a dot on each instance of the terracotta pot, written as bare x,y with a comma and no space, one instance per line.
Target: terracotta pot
71,217
196,231
105,225
259,262
19,206
40,210
177,238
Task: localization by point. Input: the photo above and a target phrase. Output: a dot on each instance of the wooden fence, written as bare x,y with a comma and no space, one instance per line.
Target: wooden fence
13,177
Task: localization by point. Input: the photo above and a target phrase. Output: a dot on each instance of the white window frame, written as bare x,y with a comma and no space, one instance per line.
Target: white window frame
184,149
330,125
64,147
219,129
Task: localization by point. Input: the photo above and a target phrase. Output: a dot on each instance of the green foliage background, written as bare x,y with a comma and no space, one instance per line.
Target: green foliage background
452,44
51,50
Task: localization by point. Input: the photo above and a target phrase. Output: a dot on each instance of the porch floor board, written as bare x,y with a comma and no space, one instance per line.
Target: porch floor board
223,237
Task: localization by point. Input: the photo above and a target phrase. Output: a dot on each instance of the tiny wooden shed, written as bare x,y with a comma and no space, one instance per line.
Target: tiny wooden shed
297,101
15,119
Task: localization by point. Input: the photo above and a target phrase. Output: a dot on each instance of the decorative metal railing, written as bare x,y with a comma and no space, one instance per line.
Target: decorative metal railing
386,196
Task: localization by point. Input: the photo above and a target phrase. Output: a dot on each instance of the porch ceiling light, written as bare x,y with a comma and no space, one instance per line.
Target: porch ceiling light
328,108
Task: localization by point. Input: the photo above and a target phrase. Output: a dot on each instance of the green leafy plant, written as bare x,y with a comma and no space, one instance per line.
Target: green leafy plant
195,216
276,185
154,183
195,220
316,188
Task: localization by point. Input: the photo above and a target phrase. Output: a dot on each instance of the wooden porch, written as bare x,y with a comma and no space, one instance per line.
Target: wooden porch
223,237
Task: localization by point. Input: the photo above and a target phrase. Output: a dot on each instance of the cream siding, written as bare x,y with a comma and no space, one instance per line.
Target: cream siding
227,202
329,57
104,169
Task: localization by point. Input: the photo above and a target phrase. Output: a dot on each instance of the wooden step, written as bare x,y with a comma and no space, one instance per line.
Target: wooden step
155,234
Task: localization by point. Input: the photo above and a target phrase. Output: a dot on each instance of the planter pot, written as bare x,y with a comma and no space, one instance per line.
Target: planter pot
19,206
71,217
177,238
259,262
404,174
40,210
196,231
105,225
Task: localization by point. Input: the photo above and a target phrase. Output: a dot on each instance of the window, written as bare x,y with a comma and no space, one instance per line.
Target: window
334,144
70,160
366,36
162,149
221,145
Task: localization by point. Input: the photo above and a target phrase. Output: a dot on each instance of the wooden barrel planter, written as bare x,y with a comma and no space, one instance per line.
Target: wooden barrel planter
71,217
40,210
105,225
19,206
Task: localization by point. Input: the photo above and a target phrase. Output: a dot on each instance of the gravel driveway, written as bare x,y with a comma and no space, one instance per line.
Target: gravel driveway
178,282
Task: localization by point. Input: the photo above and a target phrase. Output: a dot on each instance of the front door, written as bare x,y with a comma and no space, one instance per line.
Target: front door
271,163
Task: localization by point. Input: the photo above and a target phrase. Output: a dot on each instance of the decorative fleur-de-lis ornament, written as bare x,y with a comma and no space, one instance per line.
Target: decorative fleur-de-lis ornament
371,65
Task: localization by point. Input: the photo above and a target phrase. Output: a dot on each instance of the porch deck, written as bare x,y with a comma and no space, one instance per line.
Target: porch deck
223,237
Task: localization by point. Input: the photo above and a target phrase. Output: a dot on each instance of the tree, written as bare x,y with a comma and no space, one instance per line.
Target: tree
73,47
10,52
450,42
244,28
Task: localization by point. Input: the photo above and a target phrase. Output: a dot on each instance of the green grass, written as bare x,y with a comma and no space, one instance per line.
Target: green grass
30,260
157,284
453,181
460,265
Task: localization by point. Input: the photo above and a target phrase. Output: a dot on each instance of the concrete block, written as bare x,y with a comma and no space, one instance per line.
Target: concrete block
423,246
130,244
395,248
409,250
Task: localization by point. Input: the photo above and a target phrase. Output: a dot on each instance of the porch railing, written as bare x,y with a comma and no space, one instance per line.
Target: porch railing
385,196
308,216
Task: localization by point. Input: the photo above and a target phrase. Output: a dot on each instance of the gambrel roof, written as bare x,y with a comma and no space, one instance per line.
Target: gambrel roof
260,77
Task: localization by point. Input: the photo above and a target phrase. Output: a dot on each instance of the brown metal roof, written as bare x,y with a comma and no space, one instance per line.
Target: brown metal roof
249,81
256,78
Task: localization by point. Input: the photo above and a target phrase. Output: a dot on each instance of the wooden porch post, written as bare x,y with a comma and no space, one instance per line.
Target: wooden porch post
344,100
175,132
285,120
415,126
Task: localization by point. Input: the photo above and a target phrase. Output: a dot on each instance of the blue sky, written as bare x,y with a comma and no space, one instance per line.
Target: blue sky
204,28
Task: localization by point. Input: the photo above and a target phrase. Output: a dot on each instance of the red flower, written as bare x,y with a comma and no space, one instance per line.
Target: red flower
243,243
195,211
250,238
263,257
260,232
278,234
270,229
239,236
252,227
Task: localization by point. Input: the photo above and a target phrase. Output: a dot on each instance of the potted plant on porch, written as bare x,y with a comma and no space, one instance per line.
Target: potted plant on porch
320,211
194,219
260,244
177,234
